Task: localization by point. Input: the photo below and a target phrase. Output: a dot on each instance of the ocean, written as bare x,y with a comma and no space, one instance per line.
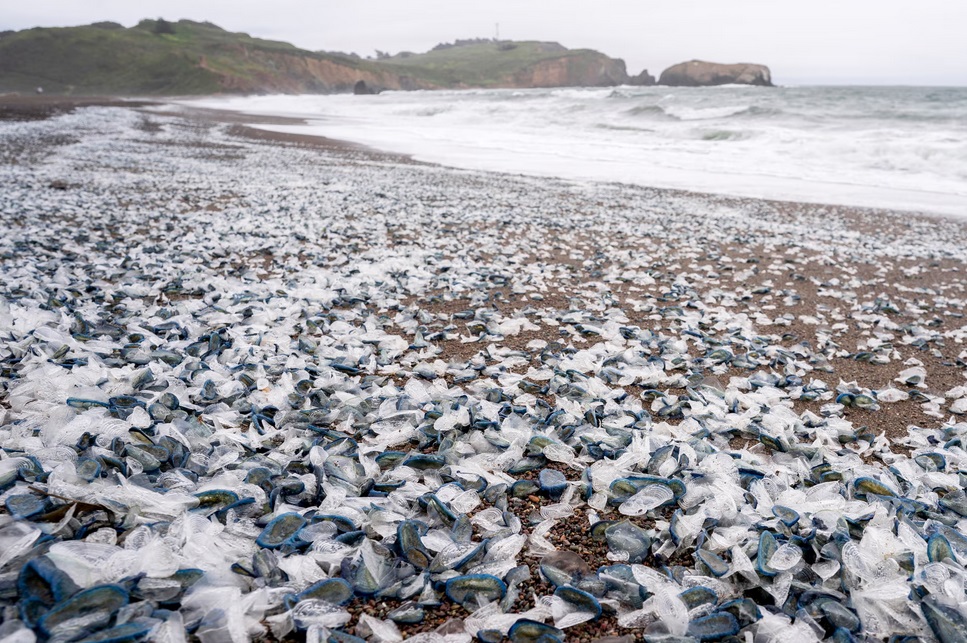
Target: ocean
902,148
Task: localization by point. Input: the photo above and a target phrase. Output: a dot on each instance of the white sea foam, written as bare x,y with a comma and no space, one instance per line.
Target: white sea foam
901,148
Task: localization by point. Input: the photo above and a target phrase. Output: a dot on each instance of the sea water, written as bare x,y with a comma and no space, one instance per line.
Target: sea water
894,147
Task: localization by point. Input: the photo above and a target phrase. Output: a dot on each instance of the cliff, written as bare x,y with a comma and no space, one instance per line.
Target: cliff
515,64
698,73
187,57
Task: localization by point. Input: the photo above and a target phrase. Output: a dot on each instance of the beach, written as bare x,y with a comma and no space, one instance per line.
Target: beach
316,307
896,148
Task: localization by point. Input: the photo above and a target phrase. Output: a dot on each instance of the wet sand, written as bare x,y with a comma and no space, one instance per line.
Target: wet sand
30,107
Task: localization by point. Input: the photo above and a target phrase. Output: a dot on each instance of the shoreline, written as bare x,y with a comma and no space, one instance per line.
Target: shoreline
742,154
250,128
408,305
864,220
30,107
247,125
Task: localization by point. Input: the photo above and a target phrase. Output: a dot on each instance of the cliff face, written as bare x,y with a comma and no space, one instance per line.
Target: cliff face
596,70
186,57
698,73
523,64
300,74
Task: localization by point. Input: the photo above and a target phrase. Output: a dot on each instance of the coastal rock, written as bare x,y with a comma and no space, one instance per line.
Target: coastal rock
644,79
698,73
299,73
362,89
589,69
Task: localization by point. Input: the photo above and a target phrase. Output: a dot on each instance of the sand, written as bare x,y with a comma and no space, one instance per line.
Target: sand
803,275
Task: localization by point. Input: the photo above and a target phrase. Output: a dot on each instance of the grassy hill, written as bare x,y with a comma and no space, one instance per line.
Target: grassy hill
156,57
487,63
150,58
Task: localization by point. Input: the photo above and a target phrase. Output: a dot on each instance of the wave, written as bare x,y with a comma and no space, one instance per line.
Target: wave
870,145
623,128
581,93
684,113
689,113
886,115
430,111
648,110
723,135
763,112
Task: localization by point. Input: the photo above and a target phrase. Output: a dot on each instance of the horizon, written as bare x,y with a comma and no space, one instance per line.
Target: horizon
869,45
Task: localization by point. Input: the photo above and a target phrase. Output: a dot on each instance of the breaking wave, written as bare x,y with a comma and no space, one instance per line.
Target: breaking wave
896,147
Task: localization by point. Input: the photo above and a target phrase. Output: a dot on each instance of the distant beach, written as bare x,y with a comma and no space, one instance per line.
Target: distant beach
324,375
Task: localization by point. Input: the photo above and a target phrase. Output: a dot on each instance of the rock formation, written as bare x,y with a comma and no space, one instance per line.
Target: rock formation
514,64
644,79
158,57
362,89
698,73
590,69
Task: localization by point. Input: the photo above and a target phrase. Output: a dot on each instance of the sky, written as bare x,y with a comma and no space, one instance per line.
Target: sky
802,41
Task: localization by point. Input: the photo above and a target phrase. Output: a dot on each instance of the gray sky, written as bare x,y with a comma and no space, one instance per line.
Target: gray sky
803,41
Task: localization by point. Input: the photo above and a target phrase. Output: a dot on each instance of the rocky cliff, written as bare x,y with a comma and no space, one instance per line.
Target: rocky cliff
187,57
488,63
307,74
698,73
596,70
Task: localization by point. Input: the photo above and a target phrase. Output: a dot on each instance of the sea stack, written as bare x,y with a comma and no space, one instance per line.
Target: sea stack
644,79
698,73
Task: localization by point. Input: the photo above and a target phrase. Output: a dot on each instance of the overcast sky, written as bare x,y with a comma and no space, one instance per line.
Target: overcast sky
803,41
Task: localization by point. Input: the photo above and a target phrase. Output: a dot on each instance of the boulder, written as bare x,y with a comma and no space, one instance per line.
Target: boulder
362,89
698,73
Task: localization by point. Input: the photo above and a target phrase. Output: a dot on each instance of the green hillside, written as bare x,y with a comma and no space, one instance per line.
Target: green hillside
157,57
151,58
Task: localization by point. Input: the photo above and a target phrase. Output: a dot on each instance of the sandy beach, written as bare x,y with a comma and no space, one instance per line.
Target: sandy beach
497,326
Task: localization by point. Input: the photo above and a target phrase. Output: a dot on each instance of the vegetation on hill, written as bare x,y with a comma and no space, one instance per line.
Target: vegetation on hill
153,57
187,57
